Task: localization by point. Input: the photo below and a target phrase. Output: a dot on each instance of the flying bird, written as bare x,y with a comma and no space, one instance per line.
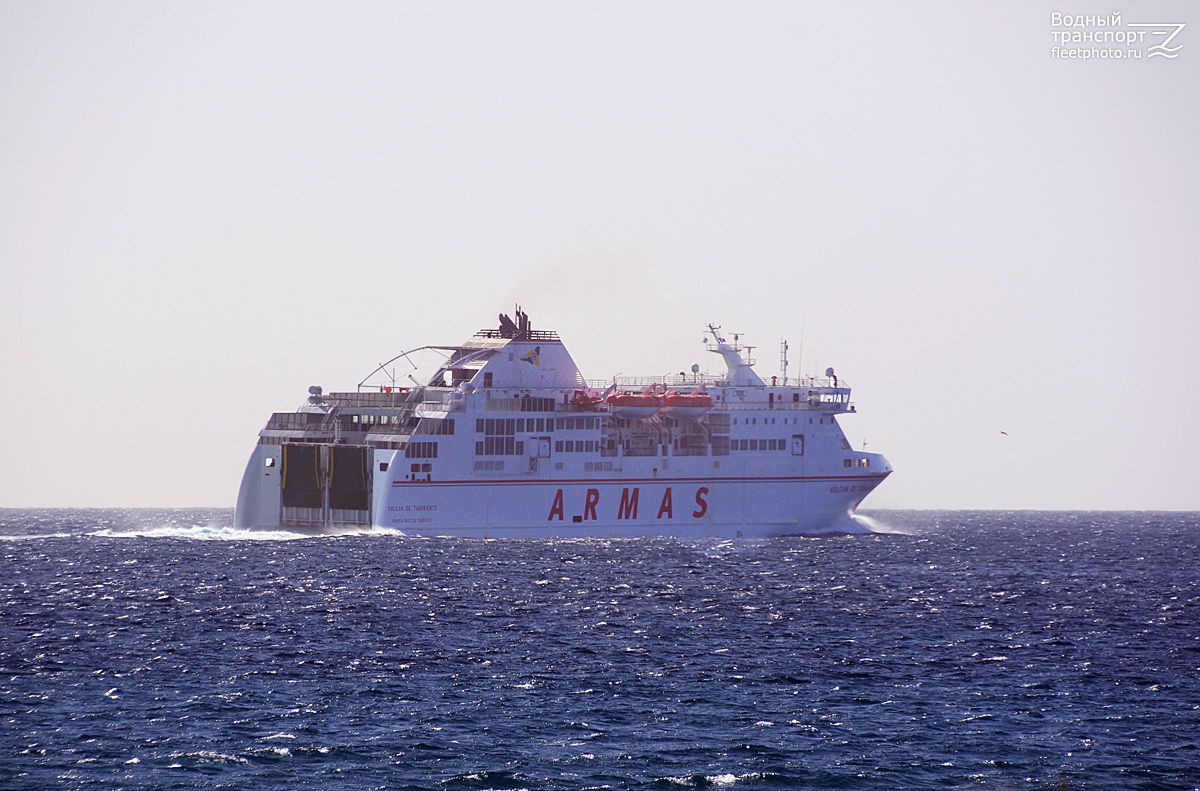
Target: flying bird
1005,433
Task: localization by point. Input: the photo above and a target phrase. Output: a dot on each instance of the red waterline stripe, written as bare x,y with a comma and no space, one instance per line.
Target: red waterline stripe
570,481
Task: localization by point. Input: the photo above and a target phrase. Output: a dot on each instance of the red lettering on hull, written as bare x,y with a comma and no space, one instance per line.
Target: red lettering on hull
629,503
556,507
665,508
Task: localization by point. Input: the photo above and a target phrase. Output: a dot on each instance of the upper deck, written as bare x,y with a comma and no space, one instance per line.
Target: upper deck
516,369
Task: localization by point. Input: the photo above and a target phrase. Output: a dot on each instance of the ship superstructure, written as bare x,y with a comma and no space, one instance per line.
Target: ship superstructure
507,439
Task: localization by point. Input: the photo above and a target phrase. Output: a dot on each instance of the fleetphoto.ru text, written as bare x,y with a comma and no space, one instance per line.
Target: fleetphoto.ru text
1107,37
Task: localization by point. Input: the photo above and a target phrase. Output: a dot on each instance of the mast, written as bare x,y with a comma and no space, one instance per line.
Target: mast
783,360
740,371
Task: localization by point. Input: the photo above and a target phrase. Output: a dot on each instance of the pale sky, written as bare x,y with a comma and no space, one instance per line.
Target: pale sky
207,207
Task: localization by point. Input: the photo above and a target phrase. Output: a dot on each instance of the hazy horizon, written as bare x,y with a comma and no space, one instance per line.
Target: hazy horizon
206,208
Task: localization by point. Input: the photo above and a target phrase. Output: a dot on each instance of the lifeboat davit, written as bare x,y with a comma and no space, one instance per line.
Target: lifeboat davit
638,406
687,406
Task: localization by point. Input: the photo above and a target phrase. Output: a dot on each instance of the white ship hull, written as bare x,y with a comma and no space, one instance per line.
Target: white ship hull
690,508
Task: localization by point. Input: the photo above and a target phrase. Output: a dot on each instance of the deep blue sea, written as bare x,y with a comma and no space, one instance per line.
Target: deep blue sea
979,650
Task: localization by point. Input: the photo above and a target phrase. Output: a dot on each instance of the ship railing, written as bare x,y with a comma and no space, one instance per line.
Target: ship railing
395,399
527,335
785,406
630,382
389,430
734,406
708,380
299,421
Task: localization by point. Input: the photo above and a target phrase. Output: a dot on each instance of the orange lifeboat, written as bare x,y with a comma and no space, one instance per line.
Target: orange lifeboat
687,406
638,406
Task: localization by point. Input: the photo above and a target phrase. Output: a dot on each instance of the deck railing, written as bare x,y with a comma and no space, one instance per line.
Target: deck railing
676,381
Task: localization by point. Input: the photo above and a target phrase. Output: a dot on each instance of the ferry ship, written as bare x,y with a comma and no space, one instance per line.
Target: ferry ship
506,439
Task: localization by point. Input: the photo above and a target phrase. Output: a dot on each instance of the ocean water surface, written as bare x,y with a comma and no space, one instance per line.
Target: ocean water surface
977,650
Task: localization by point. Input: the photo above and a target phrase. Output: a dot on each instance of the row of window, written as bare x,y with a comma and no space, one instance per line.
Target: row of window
758,444
530,404
856,462
770,421
521,404
441,426
421,450
426,467
576,446
507,427
364,422
372,419
500,446
577,423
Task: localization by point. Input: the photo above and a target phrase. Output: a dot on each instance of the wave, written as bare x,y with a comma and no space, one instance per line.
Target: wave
22,537
198,532
872,525
227,533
